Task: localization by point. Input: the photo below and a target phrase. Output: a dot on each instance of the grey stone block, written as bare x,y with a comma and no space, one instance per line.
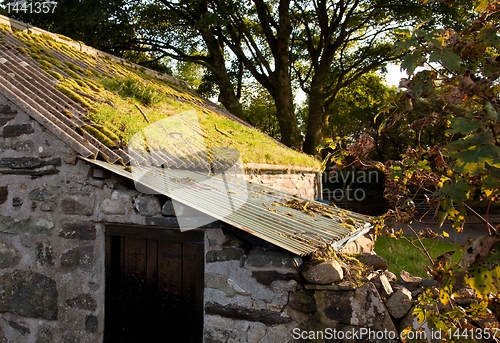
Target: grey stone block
83,302
29,294
31,226
80,257
9,257
81,231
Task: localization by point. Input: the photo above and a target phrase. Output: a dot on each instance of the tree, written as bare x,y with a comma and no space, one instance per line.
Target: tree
100,24
459,81
321,46
192,37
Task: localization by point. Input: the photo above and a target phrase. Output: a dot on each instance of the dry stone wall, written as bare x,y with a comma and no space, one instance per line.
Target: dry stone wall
52,209
296,182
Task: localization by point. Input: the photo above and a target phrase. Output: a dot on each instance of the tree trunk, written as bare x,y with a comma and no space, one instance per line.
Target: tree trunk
316,118
290,134
227,97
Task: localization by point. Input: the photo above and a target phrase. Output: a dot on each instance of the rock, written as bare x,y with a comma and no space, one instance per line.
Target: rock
75,337
17,202
260,259
399,303
324,273
9,257
69,158
96,183
375,261
4,194
44,254
242,313
383,285
43,337
409,282
80,257
221,330
91,324
267,277
363,244
45,193
78,205
24,163
168,208
302,301
224,284
428,283
30,226
25,146
48,206
29,294
227,254
83,231
83,302
109,206
390,276
147,205
362,307
22,329
17,130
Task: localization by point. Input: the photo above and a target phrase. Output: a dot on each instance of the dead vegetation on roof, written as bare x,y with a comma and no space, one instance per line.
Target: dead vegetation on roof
355,269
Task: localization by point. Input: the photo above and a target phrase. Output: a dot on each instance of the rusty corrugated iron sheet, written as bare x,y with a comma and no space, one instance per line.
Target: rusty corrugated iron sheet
261,212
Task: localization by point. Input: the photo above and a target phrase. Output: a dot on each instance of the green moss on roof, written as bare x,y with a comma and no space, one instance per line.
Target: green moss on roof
127,88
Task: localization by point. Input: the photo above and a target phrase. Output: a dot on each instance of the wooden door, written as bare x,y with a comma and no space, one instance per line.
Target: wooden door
154,285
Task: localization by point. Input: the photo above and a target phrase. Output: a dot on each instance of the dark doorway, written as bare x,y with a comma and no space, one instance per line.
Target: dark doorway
154,285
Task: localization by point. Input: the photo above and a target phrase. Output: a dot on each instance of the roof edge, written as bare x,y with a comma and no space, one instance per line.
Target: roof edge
261,166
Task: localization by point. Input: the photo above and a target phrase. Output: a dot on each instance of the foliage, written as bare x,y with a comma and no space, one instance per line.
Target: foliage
261,111
104,25
455,70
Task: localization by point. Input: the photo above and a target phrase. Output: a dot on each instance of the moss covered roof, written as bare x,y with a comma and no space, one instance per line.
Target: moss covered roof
98,103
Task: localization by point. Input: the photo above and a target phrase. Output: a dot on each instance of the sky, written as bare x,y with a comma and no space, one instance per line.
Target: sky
394,74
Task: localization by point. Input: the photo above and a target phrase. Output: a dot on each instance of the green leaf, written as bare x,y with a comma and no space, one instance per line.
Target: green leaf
492,114
489,36
470,141
421,84
447,58
446,290
484,276
412,61
424,165
473,159
463,126
457,191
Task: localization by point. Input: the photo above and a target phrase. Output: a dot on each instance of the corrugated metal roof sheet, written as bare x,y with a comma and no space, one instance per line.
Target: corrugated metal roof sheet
258,210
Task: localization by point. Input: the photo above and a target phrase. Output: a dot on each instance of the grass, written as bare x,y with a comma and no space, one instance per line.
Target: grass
401,255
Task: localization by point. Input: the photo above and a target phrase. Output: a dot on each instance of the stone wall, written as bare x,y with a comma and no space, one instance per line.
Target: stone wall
52,210
298,181
254,294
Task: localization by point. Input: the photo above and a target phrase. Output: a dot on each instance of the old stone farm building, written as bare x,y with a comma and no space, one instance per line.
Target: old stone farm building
91,248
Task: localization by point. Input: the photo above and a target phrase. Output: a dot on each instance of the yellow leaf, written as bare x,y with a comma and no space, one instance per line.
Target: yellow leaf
445,234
